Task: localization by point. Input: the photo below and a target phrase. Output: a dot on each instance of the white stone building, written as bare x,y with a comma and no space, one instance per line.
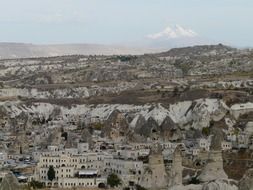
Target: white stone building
3,158
195,151
128,170
243,140
204,144
226,145
72,170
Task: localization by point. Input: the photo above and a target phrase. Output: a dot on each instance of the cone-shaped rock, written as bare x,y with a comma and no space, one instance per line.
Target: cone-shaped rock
10,182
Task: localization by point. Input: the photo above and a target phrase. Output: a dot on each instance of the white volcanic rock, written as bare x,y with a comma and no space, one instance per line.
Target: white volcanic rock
159,113
178,112
249,127
187,187
44,94
246,183
101,111
220,184
75,92
186,114
9,182
135,121
212,171
207,110
42,109
225,84
235,84
240,109
200,112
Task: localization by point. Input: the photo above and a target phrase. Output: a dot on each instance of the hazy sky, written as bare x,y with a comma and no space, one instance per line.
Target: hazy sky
115,21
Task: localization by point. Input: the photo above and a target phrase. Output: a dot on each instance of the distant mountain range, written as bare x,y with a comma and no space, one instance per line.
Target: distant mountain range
22,50
170,37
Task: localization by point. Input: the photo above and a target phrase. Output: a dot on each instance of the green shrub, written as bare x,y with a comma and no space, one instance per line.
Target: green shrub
51,173
113,180
36,184
206,131
98,126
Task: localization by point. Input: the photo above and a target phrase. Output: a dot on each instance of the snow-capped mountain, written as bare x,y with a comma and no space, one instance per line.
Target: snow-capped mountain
174,32
174,36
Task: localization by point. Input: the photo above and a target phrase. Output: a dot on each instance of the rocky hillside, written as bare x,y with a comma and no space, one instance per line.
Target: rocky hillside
184,116
176,96
180,87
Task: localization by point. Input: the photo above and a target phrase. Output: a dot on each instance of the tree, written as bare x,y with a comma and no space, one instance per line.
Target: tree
98,126
51,173
206,131
36,184
113,180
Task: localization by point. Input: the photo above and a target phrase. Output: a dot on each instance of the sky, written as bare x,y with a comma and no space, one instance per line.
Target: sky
124,21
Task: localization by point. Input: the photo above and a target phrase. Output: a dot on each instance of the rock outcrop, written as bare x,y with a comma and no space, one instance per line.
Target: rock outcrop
246,183
220,184
214,167
155,176
176,172
10,182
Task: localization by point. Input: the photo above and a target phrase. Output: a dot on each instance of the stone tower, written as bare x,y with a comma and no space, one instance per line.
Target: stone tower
155,176
10,182
176,169
214,167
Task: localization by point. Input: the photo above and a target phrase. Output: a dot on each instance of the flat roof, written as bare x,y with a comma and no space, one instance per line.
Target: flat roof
88,172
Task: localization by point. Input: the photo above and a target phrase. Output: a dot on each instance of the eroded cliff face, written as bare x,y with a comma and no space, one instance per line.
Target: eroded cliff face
69,92
171,96
191,114
220,184
9,182
145,121
246,183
